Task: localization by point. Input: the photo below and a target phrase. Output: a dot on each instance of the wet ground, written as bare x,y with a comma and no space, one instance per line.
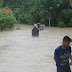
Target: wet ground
20,52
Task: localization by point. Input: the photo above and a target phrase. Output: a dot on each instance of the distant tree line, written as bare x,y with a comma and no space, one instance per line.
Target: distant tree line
49,12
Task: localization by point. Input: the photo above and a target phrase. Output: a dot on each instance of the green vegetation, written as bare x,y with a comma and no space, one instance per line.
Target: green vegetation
6,21
22,18
49,12
61,25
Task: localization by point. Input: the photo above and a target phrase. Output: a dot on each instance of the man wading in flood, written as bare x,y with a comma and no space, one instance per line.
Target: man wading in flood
62,55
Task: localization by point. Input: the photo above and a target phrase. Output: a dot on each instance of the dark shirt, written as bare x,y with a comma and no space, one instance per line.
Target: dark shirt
62,56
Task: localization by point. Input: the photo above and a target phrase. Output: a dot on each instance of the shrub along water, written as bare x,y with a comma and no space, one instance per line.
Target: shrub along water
61,24
33,11
6,21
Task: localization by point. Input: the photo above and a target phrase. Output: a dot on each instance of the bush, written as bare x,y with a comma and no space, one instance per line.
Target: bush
22,18
6,21
70,24
61,24
71,20
65,15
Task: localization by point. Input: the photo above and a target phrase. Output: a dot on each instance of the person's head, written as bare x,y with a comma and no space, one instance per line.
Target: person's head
66,41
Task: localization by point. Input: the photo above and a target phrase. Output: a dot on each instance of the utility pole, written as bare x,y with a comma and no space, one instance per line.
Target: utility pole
50,16
49,20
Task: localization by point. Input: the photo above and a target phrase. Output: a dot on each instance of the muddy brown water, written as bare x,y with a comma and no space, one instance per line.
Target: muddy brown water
20,52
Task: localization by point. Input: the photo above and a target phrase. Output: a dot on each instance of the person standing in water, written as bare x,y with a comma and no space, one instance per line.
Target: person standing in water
62,55
35,25
35,31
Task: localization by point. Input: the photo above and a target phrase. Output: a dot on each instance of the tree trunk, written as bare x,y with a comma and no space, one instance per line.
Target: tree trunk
68,4
49,21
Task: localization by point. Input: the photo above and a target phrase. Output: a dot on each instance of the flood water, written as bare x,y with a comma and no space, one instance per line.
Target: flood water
20,52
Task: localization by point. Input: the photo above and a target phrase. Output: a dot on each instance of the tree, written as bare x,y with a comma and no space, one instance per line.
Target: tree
44,11
1,3
71,3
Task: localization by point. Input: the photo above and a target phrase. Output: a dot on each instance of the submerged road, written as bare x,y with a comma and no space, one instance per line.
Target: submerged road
20,52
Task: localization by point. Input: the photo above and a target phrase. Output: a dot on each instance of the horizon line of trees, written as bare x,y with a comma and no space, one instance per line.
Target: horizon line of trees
48,12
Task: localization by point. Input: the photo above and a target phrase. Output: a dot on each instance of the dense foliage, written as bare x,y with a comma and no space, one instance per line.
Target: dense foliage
6,20
33,11
61,25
